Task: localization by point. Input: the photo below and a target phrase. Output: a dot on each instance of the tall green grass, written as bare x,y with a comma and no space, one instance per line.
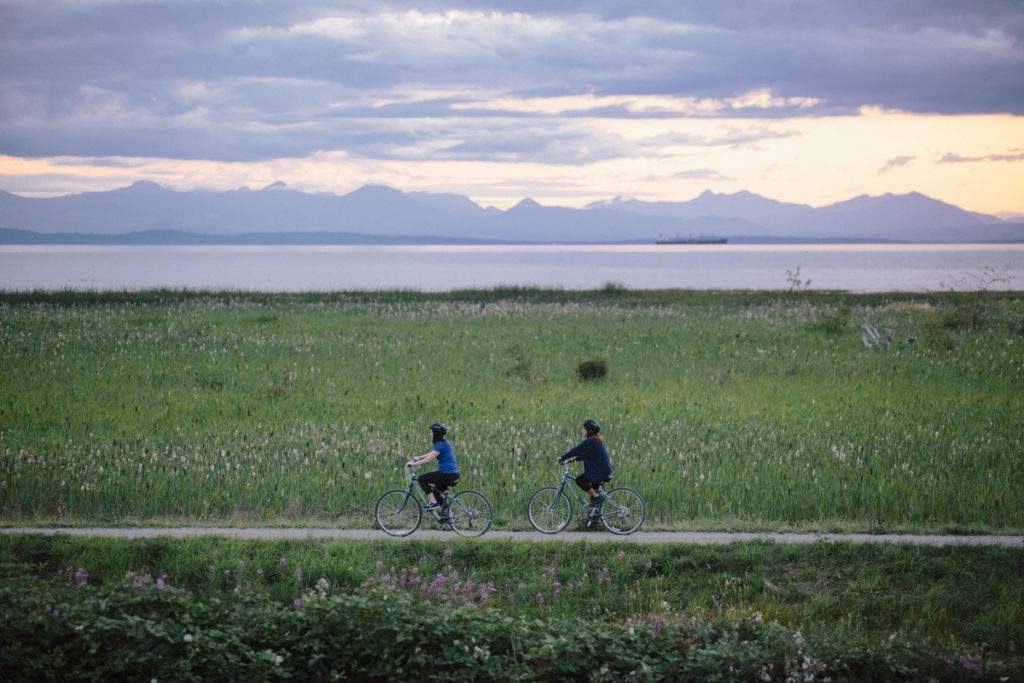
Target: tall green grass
717,406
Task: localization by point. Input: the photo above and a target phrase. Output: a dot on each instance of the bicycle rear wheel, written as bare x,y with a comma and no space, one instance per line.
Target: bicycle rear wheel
622,511
550,510
470,513
398,513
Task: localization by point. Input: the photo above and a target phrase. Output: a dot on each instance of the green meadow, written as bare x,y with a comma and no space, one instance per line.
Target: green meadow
754,410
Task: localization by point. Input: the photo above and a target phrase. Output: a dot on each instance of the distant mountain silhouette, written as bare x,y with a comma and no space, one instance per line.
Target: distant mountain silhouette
908,217
382,213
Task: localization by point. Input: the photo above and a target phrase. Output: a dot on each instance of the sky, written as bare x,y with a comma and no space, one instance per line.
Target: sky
567,103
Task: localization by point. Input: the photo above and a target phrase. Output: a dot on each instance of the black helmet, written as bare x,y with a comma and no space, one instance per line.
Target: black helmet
439,429
591,426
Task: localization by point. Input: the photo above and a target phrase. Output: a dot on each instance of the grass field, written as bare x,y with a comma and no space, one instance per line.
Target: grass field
725,409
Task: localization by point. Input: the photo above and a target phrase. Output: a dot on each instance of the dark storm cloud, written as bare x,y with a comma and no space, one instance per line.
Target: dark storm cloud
240,80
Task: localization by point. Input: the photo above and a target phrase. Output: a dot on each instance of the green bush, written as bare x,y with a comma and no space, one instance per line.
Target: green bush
935,332
964,315
146,631
590,370
833,323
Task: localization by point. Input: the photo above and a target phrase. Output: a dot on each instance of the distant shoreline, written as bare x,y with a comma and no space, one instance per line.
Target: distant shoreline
10,236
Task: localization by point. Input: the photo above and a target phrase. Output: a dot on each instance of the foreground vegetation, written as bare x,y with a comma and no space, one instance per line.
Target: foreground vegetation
178,609
725,409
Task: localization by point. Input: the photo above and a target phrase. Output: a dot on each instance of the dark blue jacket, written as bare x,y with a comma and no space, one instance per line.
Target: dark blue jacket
596,463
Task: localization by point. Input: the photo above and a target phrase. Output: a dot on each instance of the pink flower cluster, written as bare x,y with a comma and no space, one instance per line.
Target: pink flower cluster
656,621
448,589
140,580
74,576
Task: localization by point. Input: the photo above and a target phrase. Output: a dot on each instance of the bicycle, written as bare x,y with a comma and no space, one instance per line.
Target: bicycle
550,509
399,512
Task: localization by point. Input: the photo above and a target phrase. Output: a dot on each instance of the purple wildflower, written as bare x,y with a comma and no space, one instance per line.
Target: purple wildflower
297,603
448,552
81,578
161,581
971,662
540,598
298,574
282,562
656,622
621,553
436,585
556,589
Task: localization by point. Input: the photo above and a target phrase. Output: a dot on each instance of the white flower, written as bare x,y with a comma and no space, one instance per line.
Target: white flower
278,659
188,637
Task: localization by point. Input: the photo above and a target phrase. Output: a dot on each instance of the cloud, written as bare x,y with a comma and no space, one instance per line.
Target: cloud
731,136
950,158
895,162
689,174
646,105
237,80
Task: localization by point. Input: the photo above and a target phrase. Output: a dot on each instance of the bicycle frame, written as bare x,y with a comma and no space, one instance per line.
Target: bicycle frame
564,486
441,513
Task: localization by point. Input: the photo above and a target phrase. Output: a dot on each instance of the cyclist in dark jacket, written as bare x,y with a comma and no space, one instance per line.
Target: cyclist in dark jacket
597,466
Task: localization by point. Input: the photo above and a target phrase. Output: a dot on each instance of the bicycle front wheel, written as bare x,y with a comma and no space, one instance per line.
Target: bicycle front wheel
470,513
550,510
622,511
398,513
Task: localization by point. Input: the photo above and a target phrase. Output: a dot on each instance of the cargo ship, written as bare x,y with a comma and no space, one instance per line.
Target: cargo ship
691,240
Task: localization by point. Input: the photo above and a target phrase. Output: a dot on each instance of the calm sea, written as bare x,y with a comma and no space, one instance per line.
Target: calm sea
855,267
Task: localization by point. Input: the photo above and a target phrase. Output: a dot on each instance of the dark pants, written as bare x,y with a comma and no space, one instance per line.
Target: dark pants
439,481
586,483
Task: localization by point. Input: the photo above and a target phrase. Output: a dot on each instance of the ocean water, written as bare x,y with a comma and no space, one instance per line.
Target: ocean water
853,267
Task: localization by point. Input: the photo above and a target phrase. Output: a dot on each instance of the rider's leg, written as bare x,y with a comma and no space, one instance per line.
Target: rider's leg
584,483
428,482
447,481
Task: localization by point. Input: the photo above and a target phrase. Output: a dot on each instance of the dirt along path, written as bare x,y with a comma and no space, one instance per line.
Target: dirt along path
697,538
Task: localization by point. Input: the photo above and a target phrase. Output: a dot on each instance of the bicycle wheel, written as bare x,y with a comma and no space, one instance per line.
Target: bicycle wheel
622,511
398,513
550,510
470,513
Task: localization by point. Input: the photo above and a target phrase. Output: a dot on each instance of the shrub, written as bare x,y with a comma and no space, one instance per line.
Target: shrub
833,323
935,333
143,630
962,316
590,370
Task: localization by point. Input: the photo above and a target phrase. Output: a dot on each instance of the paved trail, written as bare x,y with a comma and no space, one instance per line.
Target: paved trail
698,538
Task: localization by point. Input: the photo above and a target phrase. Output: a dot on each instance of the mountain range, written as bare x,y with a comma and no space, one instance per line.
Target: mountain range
377,213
